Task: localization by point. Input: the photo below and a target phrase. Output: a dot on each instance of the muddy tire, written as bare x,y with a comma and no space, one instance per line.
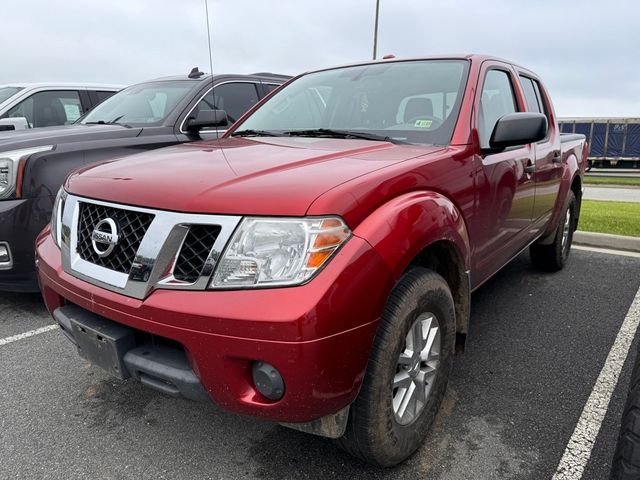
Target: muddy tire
412,354
554,256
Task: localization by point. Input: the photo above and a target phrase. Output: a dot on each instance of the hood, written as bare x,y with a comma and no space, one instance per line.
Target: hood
266,176
35,137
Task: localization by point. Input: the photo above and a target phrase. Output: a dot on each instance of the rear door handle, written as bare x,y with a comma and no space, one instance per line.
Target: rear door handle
557,158
531,168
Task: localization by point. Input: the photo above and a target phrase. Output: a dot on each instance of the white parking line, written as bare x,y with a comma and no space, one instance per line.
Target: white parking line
30,333
578,451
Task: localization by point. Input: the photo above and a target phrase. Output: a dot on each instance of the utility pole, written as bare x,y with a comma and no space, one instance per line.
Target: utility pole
375,31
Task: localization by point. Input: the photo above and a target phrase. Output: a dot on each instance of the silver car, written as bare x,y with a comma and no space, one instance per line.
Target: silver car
33,105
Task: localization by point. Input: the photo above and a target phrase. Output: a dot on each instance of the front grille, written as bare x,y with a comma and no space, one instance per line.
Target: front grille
194,252
131,229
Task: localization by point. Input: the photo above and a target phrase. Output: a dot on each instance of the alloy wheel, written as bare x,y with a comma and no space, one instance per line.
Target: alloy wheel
416,369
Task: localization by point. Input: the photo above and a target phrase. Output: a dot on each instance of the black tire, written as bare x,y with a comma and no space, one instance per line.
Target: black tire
554,256
626,459
373,434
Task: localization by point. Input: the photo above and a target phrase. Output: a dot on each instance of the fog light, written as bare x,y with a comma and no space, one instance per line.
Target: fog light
5,256
268,380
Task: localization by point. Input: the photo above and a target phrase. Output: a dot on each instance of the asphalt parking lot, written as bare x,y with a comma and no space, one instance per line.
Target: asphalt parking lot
537,345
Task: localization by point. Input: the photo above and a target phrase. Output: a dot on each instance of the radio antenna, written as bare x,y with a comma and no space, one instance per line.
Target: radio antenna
213,83
206,9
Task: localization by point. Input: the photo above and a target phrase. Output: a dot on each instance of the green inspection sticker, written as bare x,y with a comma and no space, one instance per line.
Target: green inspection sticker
423,123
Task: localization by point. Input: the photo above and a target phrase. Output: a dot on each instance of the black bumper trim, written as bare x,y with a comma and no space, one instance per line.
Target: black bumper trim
112,347
165,369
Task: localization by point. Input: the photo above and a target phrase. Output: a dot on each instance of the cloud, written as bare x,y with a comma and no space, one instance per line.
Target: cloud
583,50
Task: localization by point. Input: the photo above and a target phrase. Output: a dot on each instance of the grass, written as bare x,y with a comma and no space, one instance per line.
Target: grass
590,180
619,218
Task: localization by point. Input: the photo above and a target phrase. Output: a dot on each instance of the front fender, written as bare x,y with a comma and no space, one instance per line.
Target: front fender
401,228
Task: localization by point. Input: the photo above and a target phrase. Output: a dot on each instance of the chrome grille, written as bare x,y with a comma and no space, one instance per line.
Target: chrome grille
153,249
132,227
194,252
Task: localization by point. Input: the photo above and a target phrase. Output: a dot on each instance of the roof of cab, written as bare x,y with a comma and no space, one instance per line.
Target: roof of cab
465,56
207,77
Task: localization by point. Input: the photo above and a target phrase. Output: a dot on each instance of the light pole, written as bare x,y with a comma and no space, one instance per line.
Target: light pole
375,31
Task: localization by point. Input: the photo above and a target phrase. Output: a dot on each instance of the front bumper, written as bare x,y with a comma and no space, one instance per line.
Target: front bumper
116,349
318,335
20,222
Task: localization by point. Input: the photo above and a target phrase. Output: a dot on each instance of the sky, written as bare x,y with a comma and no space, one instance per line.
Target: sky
586,52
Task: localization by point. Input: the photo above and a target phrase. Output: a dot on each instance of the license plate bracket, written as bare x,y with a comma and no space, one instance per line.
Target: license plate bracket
103,342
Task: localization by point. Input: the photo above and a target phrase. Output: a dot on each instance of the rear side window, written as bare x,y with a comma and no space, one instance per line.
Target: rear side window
497,100
541,99
234,98
102,96
533,94
47,109
269,87
530,95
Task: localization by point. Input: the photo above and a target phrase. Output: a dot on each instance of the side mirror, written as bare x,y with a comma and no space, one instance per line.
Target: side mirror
13,123
207,119
518,128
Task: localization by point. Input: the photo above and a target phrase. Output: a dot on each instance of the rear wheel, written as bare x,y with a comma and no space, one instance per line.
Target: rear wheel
407,373
554,256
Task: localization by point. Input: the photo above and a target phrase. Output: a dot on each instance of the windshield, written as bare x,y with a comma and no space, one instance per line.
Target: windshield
410,101
6,92
140,105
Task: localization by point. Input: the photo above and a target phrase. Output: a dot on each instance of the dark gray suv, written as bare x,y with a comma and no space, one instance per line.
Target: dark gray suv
154,114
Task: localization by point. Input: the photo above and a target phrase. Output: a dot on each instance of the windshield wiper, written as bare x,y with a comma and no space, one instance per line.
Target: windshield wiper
329,132
257,133
111,122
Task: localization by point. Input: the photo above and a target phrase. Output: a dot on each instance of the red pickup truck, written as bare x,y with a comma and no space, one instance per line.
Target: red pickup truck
315,266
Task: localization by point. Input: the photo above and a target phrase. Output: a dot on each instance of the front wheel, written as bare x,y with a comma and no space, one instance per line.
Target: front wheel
407,374
554,256
626,459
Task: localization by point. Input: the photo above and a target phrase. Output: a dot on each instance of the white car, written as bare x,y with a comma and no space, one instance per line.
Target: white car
33,105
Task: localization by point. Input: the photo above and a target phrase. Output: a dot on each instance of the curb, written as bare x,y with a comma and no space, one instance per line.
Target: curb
606,240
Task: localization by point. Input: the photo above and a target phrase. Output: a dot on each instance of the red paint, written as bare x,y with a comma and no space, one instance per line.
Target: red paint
397,199
318,335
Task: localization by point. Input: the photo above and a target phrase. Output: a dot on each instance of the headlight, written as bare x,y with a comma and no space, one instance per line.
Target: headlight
56,216
9,163
278,251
